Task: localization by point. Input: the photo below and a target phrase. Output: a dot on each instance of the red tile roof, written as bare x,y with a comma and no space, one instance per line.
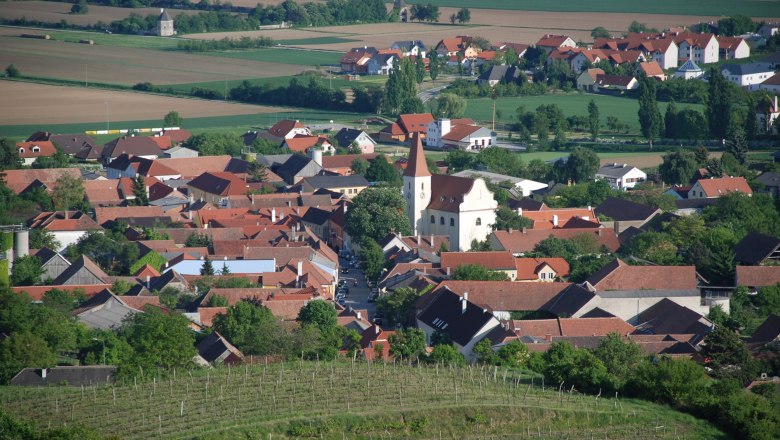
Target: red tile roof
496,260
36,293
302,143
521,241
447,192
103,192
284,127
63,221
550,40
758,276
415,122
548,328
546,218
528,268
652,68
505,295
724,185
45,148
620,276
191,167
416,166
19,180
106,214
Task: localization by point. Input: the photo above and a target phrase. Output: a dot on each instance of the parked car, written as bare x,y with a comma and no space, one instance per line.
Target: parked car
345,270
342,301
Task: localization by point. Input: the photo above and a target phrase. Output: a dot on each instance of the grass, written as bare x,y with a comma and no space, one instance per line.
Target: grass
338,82
625,109
753,8
283,56
315,40
118,40
339,400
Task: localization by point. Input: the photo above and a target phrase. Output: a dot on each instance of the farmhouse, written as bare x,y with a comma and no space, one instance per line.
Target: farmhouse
458,134
767,113
550,42
409,48
771,84
713,188
301,143
66,226
440,204
31,151
405,126
500,74
621,176
747,75
214,187
701,48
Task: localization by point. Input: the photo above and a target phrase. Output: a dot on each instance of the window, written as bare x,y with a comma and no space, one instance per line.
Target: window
433,219
21,151
479,221
36,149
452,222
441,220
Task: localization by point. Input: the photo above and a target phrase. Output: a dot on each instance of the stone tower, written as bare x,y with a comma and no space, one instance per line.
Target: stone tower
165,24
417,185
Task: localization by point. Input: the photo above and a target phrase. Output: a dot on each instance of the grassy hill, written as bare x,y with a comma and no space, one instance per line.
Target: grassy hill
343,400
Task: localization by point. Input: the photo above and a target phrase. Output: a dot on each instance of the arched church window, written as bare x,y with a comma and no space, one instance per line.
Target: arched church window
479,221
452,222
441,220
433,219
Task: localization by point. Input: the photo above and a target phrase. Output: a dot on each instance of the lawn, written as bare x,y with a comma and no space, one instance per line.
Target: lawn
284,56
625,109
340,400
753,8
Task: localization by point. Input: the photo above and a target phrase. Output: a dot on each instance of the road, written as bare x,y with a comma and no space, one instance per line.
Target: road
429,94
358,295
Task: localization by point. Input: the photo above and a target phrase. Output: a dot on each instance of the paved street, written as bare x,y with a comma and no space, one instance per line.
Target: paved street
358,296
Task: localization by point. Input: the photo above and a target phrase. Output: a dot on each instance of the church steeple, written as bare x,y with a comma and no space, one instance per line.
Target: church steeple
416,165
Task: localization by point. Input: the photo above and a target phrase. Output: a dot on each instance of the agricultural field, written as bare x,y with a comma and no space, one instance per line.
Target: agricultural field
339,400
336,82
284,56
753,8
625,109
54,12
130,65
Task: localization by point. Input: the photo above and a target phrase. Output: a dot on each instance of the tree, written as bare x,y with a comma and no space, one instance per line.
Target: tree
599,32
670,121
690,124
719,110
80,7
12,72
594,123
514,354
737,145
9,155
567,365
63,301
677,382
637,27
240,323
27,271
737,24
216,144
449,105
477,272
375,212
173,119
359,166
419,69
139,191
620,356
656,247
207,269
158,340
582,165
702,156
23,350
380,170
678,168
464,15
446,354
398,307
43,238
507,218
257,172
433,65
727,355
649,115
372,257
318,313
408,343
68,193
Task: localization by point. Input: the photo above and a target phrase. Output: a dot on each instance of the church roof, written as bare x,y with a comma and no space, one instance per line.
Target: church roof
689,66
416,166
164,16
447,192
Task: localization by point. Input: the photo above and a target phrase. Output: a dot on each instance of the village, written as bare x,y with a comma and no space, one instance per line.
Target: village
420,236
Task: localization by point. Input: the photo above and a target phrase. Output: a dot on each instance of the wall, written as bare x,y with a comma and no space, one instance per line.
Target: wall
66,238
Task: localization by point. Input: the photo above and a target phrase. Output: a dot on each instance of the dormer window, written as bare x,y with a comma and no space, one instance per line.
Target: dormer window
21,151
36,149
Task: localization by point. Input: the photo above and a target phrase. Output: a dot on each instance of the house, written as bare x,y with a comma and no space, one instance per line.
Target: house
701,48
747,75
711,188
132,166
541,269
213,187
375,343
499,261
446,134
733,48
652,69
82,271
520,187
405,127
342,164
689,70
615,82
519,48
297,168
303,143
409,48
346,137
767,113
143,146
622,214
350,186
381,63
771,182
754,277
214,349
286,129
462,321
69,144
462,44
768,30
500,74
621,176
104,192
192,167
538,330
179,152
74,376
441,204
550,42
66,226
519,242
660,48
566,218
757,249
355,61
31,151
52,263
106,311
426,248
667,317
587,79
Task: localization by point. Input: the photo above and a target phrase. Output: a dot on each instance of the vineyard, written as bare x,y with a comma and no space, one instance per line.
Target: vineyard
347,400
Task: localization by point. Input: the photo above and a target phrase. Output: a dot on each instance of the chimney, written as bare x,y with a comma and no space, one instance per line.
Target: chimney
419,241
525,231
43,373
464,302
624,165
148,282
253,199
273,215
555,221
519,211
510,230
448,271
300,268
598,231
359,316
590,208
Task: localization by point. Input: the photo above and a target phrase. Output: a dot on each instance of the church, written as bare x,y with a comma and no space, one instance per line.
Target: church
438,204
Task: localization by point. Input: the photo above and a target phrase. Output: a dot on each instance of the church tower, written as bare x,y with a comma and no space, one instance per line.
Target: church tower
417,186
165,24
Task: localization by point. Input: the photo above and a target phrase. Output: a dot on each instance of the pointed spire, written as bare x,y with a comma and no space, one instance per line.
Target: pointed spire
416,166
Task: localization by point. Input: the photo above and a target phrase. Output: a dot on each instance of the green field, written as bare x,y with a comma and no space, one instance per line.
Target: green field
339,400
314,40
283,56
753,8
118,40
337,82
625,109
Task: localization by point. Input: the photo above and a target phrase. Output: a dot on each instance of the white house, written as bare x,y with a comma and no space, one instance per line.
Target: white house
462,208
701,48
712,188
766,115
747,75
621,176
733,48
381,64
665,52
769,29
550,42
771,84
689,70
458,134
409,47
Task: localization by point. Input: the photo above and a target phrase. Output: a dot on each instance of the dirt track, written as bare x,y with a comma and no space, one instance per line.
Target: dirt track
27,103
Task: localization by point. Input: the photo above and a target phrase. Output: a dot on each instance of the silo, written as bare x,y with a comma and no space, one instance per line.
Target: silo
21,243
316,156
